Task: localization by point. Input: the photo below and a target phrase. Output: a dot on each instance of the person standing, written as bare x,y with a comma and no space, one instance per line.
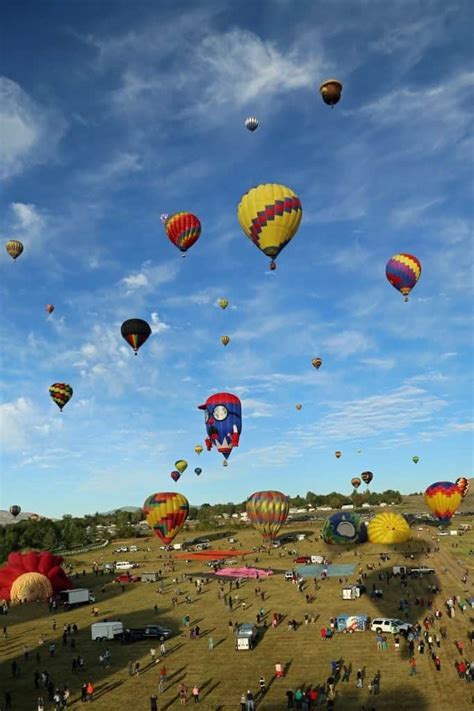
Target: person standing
195,693
130,667
136,668
250,701
412,663
359,679
153,655
262,684
153,702
183,694
90,691
210,643
163,649
243,702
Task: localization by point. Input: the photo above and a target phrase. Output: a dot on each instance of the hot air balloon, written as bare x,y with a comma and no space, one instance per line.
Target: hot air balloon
181,465
267,512
443,498
183,230
166,514
342,528
338,454
298,406
198,449
270,216
175,475
223,418
403,271
135,331
49,308
15,510
359,451
61,393
164,216
367,477
386,528
463,485
225,340
251,123
223,303
331,91
356,482
14,248
415,459
317,363
198,471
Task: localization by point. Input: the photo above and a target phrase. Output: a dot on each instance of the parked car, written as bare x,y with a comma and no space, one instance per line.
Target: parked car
127,578
147,632
289,575
306,559
390,624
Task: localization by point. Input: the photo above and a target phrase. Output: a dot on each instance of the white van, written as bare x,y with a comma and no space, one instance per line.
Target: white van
391,625
124,565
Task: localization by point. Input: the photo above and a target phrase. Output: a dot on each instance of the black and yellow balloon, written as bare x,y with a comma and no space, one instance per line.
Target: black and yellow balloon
270,215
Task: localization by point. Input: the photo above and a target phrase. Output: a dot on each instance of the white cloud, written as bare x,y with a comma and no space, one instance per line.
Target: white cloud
120,167
149,277
136,281
158,325
379,363
17,420
29,132
346,343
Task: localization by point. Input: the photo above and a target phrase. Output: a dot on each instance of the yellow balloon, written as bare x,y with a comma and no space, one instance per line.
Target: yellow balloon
225,340
270,215
14,248
181,465
388,527
198,449
223,303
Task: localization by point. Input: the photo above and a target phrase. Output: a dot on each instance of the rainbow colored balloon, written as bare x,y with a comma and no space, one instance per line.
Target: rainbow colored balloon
166,513
183,230
268,511
463,485
443,498
403,271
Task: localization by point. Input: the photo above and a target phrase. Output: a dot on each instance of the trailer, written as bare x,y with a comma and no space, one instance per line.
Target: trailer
351,623
77,596
399,570
151,577
351,592
106,630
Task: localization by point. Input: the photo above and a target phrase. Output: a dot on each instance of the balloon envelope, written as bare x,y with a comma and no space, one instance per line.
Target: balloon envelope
14,248
270,215
367,477
49,308
338,454
268,511
225,340
356,482
251,123
463,485
223,418
61,393
166,514
181,465
443,498
198,471
15,510
183,230
331,91
223,303
317,363
387,528
198,449
135,331
403,271
341,528
175,475
415,459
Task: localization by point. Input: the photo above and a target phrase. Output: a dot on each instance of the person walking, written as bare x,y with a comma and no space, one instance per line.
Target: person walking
136,669
243,702
250,701
290,699
262,684
90,691
183,694
195,693
412,663
359,679
163,649
210,643
153,702
153,655
40,704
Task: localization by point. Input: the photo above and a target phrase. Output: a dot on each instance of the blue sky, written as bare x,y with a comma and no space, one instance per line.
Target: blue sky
113,113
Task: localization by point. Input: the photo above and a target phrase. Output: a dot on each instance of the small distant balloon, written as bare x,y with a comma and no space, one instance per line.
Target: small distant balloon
135,331
225,340
403,272
164,216
317,363
60,393
198,449
14,248
338,454
415,459
299,406
331,91
49,308
175,475
367,477
181,465
356,482
223,303
251,123
15,510
198,471
463,485
359,451
183,230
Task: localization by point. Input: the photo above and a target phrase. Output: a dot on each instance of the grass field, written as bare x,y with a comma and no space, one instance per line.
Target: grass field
223,673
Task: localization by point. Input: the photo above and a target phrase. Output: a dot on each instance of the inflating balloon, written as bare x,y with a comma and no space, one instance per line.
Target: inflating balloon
32,576
175,475
61,393
331,91
367,477
251,123
198,471
181,465
387,528
338,454
356,482
267,512
223,418
463,485
15,510
443,498
166,514
183,230
317,363
341,528
225,340
415,459
49,308
198,449
223,303
14,248
403,271
135,331
270,216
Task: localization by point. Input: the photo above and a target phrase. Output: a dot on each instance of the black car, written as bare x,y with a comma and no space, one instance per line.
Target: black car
148,632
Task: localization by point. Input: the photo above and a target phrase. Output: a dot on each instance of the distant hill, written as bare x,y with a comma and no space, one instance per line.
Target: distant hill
6,518
127,509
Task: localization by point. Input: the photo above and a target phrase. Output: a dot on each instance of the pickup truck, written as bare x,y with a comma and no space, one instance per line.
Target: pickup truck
147,632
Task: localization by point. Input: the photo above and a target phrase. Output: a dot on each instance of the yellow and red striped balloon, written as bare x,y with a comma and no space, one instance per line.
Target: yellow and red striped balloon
166,513
183,230
443,498
268,511
403,272
61,393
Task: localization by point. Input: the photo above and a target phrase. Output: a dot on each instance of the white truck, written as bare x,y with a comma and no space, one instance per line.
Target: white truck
77,596
106,630
246,636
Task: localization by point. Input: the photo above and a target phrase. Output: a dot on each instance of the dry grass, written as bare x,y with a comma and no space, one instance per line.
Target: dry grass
223,674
